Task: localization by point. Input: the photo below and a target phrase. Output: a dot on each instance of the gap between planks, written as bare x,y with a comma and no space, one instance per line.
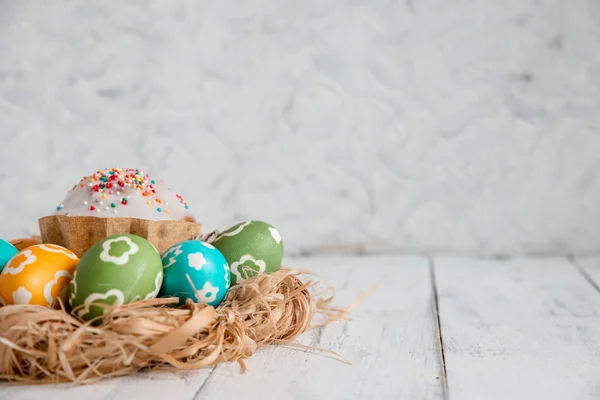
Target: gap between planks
206,378
436,307
391,340
584,269
509,325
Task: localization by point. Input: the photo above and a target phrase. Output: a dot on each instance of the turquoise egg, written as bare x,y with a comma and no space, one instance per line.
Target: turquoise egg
7,251
195,270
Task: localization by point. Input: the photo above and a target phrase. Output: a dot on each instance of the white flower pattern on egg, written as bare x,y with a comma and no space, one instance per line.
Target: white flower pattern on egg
207,294
29,259
207,245
74,283
21,296
196,261
123,258
120,299
157,282
275,234
57,249
176,251
227,277
48,286
235,267
234,232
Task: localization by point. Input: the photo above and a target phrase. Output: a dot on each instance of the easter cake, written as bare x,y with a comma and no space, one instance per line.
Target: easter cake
117,201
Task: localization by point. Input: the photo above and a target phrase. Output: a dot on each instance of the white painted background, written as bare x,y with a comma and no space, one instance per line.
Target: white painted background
418,125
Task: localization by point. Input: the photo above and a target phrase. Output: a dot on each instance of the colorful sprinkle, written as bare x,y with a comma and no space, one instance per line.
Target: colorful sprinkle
128,181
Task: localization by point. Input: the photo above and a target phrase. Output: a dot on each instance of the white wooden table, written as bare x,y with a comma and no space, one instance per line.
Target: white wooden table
436,328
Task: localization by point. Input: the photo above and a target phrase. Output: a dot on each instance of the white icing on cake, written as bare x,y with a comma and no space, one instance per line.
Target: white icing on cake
129,194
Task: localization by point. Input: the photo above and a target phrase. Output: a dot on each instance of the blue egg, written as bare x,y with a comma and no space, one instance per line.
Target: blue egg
195,270
7,251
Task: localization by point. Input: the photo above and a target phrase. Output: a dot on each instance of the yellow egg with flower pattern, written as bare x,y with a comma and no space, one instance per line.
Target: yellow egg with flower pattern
38,275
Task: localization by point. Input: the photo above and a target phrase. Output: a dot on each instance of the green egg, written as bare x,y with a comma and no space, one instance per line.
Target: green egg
250,248
117,270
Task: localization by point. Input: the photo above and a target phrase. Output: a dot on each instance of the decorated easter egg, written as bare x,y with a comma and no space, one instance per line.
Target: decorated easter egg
23,243
7,251
38,275
251,248
117,270
195,270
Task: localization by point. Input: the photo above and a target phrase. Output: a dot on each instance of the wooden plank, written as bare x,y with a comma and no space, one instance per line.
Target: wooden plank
148,386
391,341
518,329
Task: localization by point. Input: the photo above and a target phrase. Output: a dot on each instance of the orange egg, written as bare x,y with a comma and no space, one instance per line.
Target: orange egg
23,243
38,275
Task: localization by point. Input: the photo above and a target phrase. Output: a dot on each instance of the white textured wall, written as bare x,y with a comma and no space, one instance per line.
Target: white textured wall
415,125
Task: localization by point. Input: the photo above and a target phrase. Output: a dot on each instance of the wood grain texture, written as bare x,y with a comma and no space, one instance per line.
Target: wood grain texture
518,329
391,341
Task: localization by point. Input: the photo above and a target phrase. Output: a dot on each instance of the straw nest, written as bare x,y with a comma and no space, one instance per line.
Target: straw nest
42,345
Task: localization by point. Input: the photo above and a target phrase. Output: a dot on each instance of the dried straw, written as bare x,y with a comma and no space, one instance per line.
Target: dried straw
41,345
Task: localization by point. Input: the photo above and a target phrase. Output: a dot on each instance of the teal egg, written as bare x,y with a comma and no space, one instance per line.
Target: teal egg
251,248
195,270
7,251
